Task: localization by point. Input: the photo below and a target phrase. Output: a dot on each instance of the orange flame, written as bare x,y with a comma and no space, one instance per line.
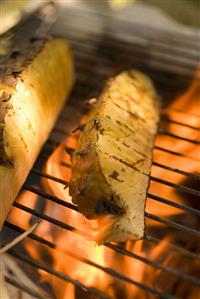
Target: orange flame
72,248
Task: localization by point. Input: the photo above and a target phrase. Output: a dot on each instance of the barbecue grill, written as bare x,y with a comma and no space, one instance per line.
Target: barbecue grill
171,60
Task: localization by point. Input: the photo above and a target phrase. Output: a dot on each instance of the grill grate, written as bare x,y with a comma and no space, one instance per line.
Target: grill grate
100,55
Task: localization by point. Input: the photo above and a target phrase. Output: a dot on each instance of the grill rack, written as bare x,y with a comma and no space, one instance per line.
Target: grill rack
181,46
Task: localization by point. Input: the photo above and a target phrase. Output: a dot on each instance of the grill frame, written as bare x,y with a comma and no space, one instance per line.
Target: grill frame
82,87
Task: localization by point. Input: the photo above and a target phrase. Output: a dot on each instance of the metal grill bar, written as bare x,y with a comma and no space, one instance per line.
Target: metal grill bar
174,204
52,220
166,88
160,131
167,133
148,238
181,250
24,288
84,62
83,66
175,59
196,143
176,225
63,203
176,153
196,115
111,246
154,264
166,118
60,275
155,64
176,186
180,154
140,29
139,49
152,196
84,86
180,187
83,234
66,204
66,226
54,143
65,183
48,176
194,176
50,197
90,290
157,55
148,33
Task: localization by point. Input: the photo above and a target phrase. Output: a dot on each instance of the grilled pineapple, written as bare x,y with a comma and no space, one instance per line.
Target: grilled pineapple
36,76
111,165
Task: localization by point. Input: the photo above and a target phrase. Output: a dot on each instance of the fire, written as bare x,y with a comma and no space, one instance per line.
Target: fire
85,246
74,248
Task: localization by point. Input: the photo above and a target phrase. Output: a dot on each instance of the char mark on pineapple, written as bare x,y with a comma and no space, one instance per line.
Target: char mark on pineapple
79,128
115,175
98,126
105,207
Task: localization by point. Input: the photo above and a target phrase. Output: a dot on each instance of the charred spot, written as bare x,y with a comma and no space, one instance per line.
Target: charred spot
126,144
82,152
131,75
5,97
6,163
118,122
34,39
139,161
16,74
79,128
105,207
69,150
14,54
98,127
115,175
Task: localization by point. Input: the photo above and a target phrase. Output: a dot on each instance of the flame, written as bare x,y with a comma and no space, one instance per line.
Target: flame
74,248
